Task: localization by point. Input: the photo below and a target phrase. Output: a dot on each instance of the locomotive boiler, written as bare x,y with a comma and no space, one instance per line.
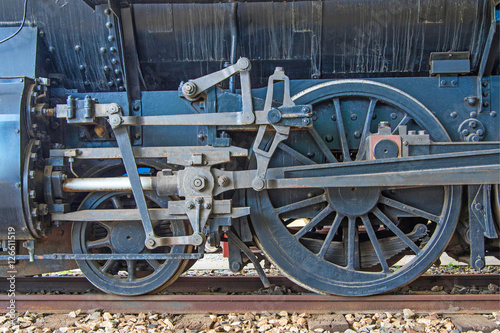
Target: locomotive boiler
337,136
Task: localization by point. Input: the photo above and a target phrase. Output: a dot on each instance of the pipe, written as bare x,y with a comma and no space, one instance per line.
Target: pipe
234,43
105,184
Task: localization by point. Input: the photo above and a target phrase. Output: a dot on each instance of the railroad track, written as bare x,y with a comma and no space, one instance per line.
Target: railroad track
211,299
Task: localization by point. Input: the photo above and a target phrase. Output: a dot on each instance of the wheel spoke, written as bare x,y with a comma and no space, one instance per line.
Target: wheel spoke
341,129
117,203
106,267
131,269
318,218
403,121
351,244
366,129
155,264
329,236
103,242
295,154
301,204
322,146
388,223
409,209
375,243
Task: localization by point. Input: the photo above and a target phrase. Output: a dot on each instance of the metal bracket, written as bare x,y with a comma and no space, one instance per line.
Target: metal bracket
264,156
481,209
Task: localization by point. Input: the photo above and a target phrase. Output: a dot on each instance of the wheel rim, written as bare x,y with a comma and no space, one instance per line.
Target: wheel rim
343,241
126,277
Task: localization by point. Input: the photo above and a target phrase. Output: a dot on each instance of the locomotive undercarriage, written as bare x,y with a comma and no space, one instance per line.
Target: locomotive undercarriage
334,180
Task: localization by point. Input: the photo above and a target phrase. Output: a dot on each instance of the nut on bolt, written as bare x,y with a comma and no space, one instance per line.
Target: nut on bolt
189,89
199,183
189,205
150,242
113,108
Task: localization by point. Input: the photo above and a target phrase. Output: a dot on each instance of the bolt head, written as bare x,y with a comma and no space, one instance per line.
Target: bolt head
189,205
198,200
189,88
443,82
306,121
208,205
354,117
258,184
306,109
243,64
150,242
223,181
465,132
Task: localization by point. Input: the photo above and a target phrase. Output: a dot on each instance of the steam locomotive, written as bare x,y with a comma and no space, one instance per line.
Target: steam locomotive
337,136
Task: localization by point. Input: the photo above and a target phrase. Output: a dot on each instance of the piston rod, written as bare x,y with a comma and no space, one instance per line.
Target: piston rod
106,184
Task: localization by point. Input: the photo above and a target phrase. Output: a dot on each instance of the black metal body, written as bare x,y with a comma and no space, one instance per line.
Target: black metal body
418,65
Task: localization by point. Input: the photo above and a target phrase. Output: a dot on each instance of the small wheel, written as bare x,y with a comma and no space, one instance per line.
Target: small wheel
126,277
345,240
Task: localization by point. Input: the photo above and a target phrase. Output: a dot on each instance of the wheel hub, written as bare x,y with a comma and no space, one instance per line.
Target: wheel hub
128,237
353,201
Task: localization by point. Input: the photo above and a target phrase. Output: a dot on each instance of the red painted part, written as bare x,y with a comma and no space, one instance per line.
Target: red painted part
225,250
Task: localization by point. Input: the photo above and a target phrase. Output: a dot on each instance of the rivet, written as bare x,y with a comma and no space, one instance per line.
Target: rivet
136,107
465,132
485,84
121,88
453,114
102,50
118,81
473,114
106,68
78,47
453,82
87,83
334,117
486,93
486,104
118,71
311,154
393,115
354,116
479,132
82,67
109,25
114,61
107,11
112,49
111,83
357,134
443,82
328,138
493,114
51,49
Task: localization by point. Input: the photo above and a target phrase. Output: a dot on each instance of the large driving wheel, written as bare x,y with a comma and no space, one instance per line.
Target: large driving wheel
345,240
126,277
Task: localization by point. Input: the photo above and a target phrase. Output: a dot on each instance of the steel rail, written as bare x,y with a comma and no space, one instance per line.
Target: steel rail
221,304
234,284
